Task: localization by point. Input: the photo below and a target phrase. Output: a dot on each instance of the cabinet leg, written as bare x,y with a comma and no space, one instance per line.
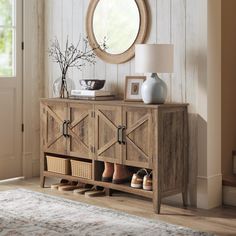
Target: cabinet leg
42,181
185,198
108,192
157,205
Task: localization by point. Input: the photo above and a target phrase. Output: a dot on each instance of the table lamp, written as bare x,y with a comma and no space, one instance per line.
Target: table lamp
154,58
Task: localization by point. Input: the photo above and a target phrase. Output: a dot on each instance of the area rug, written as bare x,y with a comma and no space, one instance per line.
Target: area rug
24,212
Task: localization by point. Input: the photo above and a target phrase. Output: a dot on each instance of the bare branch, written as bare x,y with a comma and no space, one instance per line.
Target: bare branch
73,56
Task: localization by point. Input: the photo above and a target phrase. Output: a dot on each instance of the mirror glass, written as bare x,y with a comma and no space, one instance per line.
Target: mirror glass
117,21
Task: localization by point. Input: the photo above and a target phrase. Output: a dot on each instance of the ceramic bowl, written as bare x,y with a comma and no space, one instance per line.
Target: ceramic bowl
92,84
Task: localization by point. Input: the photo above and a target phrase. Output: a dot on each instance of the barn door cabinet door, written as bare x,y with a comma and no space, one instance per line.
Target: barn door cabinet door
138,137
53,116
81,130
108,119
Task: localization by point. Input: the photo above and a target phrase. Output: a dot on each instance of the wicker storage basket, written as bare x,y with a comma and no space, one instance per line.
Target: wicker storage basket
58,165
81,169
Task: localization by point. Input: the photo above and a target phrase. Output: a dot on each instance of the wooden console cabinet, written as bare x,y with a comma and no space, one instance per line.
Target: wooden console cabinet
129,133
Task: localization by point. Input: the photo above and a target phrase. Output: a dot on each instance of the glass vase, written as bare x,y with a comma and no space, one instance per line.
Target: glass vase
62,87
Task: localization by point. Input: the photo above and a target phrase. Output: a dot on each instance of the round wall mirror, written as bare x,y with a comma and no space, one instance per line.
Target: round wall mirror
122,23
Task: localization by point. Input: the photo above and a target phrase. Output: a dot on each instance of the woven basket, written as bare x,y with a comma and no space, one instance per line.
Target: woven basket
81,169
58,165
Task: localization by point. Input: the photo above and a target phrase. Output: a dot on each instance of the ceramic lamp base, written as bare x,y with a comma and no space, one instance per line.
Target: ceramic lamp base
154,90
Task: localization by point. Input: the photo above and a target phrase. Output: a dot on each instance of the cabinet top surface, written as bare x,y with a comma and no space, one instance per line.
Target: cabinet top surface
115,102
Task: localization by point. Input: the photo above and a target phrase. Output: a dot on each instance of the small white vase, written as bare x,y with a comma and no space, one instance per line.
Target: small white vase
154,90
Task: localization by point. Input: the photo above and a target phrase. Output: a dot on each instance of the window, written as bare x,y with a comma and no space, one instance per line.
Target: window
7,38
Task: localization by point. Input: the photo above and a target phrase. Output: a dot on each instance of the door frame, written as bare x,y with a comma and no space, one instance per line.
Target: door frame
33,84
19,66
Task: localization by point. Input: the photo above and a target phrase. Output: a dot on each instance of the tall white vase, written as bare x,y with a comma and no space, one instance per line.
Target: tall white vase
154,90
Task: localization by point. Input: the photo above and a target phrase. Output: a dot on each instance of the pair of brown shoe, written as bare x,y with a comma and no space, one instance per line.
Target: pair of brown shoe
116,181
66,185
142,179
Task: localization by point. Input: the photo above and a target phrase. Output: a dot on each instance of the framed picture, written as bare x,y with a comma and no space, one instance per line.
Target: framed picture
133,86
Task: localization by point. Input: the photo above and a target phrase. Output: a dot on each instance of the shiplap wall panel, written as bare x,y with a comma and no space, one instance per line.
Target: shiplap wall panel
56,32
89,70
163,33
67,26
47,34
172,21
111,77
167,25
123,71
178,11
78,27
152,37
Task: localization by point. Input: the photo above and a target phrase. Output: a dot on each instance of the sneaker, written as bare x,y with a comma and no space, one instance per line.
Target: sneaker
137,179
147,182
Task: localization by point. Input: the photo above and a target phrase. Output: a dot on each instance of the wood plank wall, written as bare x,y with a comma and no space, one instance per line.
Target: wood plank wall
181,22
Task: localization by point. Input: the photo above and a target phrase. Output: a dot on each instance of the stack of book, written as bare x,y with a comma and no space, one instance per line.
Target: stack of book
92,95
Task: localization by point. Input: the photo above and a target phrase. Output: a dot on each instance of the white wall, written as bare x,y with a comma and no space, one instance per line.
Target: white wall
209,192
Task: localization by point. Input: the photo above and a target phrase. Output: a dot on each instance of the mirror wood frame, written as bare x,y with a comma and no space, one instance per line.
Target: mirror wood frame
128,54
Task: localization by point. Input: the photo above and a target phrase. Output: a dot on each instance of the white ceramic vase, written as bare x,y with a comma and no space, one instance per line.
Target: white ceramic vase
154,90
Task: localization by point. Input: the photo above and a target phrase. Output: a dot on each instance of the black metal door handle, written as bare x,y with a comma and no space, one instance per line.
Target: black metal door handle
67,131
119,134
64,128
123,128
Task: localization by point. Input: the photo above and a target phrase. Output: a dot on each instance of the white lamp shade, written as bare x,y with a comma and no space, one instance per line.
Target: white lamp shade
154,58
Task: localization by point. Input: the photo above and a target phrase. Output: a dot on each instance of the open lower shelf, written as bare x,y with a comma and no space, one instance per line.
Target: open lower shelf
120,187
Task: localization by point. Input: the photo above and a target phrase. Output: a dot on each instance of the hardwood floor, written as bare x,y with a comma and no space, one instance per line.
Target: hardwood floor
221,221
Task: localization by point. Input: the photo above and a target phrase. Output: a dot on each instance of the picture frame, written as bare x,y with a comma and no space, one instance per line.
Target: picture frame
133,86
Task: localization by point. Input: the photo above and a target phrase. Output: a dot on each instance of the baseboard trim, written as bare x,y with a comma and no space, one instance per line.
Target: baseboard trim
11,180
209,191
209,177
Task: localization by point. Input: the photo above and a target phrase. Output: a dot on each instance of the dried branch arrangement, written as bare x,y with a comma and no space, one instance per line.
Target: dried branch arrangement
73,56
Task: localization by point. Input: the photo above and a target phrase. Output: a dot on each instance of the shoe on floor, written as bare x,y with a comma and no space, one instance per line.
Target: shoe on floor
81,190
87,188
69,187
57,185
94,193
